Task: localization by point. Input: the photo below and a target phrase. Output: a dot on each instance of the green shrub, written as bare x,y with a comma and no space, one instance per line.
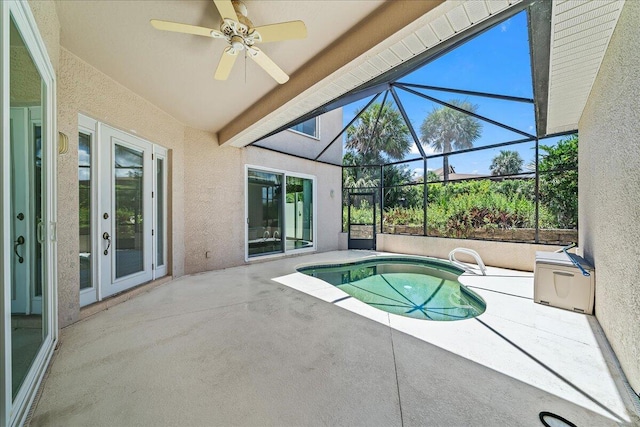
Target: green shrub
459,208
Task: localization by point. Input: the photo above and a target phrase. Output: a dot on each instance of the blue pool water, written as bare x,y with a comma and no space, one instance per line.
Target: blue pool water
425,289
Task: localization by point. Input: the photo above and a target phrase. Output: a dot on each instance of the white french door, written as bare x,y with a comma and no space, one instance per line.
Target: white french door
125,209
122,183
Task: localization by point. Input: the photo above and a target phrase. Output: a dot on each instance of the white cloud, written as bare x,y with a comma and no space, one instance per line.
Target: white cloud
417,173
427,149
83,174
83,157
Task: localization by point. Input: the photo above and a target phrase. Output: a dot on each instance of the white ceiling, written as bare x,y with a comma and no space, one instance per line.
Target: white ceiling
175,71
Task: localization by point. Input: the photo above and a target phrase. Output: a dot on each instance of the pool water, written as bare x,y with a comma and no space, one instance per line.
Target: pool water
418,288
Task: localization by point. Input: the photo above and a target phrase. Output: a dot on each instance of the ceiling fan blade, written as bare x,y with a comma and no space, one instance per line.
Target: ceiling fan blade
185,28
226,9
283,31
268,65
225,65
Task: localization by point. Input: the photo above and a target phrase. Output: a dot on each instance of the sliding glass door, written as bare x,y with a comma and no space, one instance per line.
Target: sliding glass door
264,190
280,212
299,213
27,179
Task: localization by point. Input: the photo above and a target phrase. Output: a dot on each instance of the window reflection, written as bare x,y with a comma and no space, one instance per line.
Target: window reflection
265,212
299,213
84,197
27,326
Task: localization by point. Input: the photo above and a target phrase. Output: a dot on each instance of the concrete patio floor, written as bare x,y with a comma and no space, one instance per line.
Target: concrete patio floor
236,347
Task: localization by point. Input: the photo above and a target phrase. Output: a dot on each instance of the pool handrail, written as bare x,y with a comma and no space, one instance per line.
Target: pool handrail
465,267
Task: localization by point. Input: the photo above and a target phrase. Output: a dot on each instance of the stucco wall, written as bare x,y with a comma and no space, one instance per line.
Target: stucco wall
609,193
330,125
25,82
329,182
206,181
516,256
214,203
84,89
44,12
215,199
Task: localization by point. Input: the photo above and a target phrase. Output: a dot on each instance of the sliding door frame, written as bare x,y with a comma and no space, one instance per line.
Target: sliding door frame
14,411
285,174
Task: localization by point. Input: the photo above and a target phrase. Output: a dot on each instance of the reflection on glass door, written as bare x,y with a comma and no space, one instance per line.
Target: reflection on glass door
129,210
85,211
274,218
160,213
28,330
264,212
299,213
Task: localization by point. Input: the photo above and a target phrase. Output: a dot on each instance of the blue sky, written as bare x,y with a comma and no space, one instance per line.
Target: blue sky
496,61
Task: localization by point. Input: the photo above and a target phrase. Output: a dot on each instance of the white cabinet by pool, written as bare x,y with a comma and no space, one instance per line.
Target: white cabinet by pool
559,283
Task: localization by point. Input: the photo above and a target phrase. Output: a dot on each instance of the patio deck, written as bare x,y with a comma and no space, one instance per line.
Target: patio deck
236,347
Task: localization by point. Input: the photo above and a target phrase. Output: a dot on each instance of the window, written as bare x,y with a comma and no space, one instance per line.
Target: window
310,127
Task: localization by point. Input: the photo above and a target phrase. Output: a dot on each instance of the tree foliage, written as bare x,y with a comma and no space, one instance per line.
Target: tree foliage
380,134
508,162
558,169
446,129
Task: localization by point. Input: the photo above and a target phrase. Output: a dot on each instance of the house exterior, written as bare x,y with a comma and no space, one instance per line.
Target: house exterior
103,191
453,175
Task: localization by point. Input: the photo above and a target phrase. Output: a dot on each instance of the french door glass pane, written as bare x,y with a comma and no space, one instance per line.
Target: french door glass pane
265,212
299,213
84,184
27,326
160,212
129,197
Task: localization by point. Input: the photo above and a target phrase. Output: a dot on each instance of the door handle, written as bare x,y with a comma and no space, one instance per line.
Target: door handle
106,237
18,242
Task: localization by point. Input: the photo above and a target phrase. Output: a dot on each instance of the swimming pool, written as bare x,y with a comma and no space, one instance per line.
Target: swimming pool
420,288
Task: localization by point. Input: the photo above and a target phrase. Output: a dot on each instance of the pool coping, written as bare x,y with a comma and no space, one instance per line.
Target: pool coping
536,344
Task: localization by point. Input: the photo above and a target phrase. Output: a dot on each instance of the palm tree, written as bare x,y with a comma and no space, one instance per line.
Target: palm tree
376,135
446,129
508,162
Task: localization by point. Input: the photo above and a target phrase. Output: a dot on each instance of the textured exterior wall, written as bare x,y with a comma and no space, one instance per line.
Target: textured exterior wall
84,89
328,179
516,256
206,181
215,199
214,203
25,83
330,125
44,12
609,193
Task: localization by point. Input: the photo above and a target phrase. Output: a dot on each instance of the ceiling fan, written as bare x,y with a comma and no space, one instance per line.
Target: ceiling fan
241,35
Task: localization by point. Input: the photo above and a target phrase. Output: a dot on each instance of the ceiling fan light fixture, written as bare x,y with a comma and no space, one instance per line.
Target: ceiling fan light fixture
237,43
241,35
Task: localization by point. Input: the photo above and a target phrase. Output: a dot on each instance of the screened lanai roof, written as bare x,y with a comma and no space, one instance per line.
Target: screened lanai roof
563,42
